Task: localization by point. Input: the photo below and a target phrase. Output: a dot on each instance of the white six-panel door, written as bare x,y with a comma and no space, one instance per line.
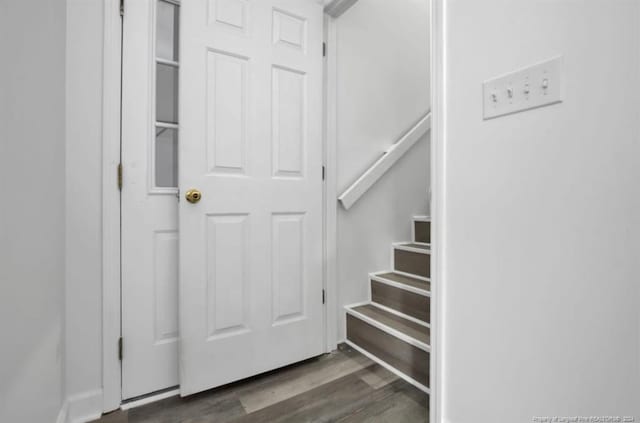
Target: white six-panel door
251,143
149,198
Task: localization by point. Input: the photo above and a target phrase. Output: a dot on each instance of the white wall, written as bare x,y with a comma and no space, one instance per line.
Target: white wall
542,216
84,207
383,89
32,122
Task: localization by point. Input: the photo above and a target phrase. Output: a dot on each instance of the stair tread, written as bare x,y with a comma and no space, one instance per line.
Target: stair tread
412,329
425,247
406,280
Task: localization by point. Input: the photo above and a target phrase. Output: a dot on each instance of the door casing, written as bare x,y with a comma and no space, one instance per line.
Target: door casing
111,114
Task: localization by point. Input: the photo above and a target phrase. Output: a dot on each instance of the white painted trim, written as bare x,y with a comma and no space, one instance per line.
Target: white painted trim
336,8
163,191
393,258
411,275
413,230
400,314
85,407
330,185
386,162
388,367
389,330
438,182
421,218
111,374
399,285
172,63
402,246
152,70
159,124
359,304
150,399
62,414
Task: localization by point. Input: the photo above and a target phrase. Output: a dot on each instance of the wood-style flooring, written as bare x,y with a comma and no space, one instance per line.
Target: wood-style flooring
344,386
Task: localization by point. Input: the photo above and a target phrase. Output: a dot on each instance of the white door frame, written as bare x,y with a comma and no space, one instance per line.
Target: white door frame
111,241
111,110
330,183
438,204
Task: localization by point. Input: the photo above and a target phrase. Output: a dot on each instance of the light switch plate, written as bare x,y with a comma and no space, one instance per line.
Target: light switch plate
535,86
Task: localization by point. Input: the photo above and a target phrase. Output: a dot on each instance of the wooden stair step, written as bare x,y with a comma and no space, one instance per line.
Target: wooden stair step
412,304
407,327
409,281
423,248
422,230
373,338
414,259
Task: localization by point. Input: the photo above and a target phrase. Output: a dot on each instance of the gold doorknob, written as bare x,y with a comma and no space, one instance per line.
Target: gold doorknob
193,196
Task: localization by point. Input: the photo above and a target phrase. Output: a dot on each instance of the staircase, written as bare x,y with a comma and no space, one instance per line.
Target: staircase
392,328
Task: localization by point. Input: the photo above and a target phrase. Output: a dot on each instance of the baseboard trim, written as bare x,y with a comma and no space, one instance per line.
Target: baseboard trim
84,407
150,399
62,415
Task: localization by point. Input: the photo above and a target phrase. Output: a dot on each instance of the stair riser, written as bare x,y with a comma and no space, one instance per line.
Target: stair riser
413,263
410,360
422,232
401,300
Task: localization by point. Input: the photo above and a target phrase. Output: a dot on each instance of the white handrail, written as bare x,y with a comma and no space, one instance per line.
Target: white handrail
335,8
386,162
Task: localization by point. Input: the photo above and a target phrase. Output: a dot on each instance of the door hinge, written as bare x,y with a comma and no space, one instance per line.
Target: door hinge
120,176
120,349
324,296
323,173
121,7
324,49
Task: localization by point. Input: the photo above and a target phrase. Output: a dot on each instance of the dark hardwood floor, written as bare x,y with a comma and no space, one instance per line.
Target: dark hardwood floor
343,386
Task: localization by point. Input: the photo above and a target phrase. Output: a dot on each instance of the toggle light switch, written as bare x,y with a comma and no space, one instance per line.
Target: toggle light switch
535,86
545,85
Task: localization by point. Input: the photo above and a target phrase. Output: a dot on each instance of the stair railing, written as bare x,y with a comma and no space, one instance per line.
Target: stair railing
335,8
384,163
